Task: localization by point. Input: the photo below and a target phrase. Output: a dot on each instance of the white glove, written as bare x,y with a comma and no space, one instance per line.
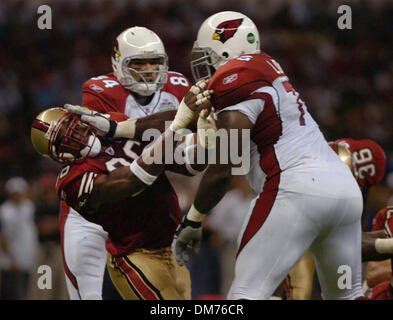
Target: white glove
207,129
188,235
96,119
105,126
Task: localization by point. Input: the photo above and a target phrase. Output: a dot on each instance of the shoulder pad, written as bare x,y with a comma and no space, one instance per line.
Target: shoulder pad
236,80
107,90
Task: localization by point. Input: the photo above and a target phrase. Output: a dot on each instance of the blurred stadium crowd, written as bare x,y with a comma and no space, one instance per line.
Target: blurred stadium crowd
344,76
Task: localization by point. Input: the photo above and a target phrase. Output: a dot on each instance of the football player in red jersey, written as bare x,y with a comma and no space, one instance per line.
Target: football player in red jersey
142,88
129,199
379,273
300,204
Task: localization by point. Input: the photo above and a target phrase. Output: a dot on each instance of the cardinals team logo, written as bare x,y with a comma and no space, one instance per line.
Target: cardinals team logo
116,51
226,30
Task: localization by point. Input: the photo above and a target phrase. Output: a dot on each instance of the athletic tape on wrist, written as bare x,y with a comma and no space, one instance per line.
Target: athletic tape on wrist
384,245
125,129
194,215
141,174
183,117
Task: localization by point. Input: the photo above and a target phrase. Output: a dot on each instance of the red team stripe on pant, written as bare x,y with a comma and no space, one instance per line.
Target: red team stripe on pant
261,210
145,289
64,210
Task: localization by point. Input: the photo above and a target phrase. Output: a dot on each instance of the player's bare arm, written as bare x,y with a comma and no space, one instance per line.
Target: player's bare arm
155,121
218,176
193,151
145,169
213,186
132,128
371,245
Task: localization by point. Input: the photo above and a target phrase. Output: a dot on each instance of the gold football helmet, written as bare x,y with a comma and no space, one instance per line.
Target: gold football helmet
346,157
342,150
61,135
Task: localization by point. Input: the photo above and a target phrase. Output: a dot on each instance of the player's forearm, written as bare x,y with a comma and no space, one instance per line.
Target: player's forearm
190,156
155,121
113,187
371,246
154,158
214,185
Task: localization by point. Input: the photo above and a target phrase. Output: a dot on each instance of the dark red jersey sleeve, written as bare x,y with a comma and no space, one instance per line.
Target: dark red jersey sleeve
75,184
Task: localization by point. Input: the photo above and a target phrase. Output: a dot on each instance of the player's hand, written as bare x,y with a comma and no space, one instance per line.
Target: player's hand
187,237
196,100
207,129
98,120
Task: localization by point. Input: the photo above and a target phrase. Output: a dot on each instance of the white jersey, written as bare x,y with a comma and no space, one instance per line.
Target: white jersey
307,197
284,136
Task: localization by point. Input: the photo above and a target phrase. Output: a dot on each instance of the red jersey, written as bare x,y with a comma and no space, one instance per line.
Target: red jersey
369,160
147,220
382,291
384,220
105,94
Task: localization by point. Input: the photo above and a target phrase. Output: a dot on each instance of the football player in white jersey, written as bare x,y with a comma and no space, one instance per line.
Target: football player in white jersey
142,88
307,197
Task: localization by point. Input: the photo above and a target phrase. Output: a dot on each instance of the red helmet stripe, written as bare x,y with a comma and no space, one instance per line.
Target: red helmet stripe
40,125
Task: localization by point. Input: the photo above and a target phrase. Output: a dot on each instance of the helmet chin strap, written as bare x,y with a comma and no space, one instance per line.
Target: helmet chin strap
93,145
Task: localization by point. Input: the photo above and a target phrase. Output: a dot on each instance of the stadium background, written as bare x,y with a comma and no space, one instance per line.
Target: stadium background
344,76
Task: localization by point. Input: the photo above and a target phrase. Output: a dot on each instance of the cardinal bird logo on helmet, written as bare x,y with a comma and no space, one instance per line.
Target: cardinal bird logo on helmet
226,30
116,51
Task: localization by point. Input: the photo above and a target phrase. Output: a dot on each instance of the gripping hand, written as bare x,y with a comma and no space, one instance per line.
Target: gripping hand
98,120
187,237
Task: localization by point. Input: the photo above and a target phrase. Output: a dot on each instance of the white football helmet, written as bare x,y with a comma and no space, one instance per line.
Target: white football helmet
139,43
223,36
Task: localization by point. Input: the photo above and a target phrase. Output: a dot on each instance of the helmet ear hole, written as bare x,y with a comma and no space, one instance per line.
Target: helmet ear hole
225,55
